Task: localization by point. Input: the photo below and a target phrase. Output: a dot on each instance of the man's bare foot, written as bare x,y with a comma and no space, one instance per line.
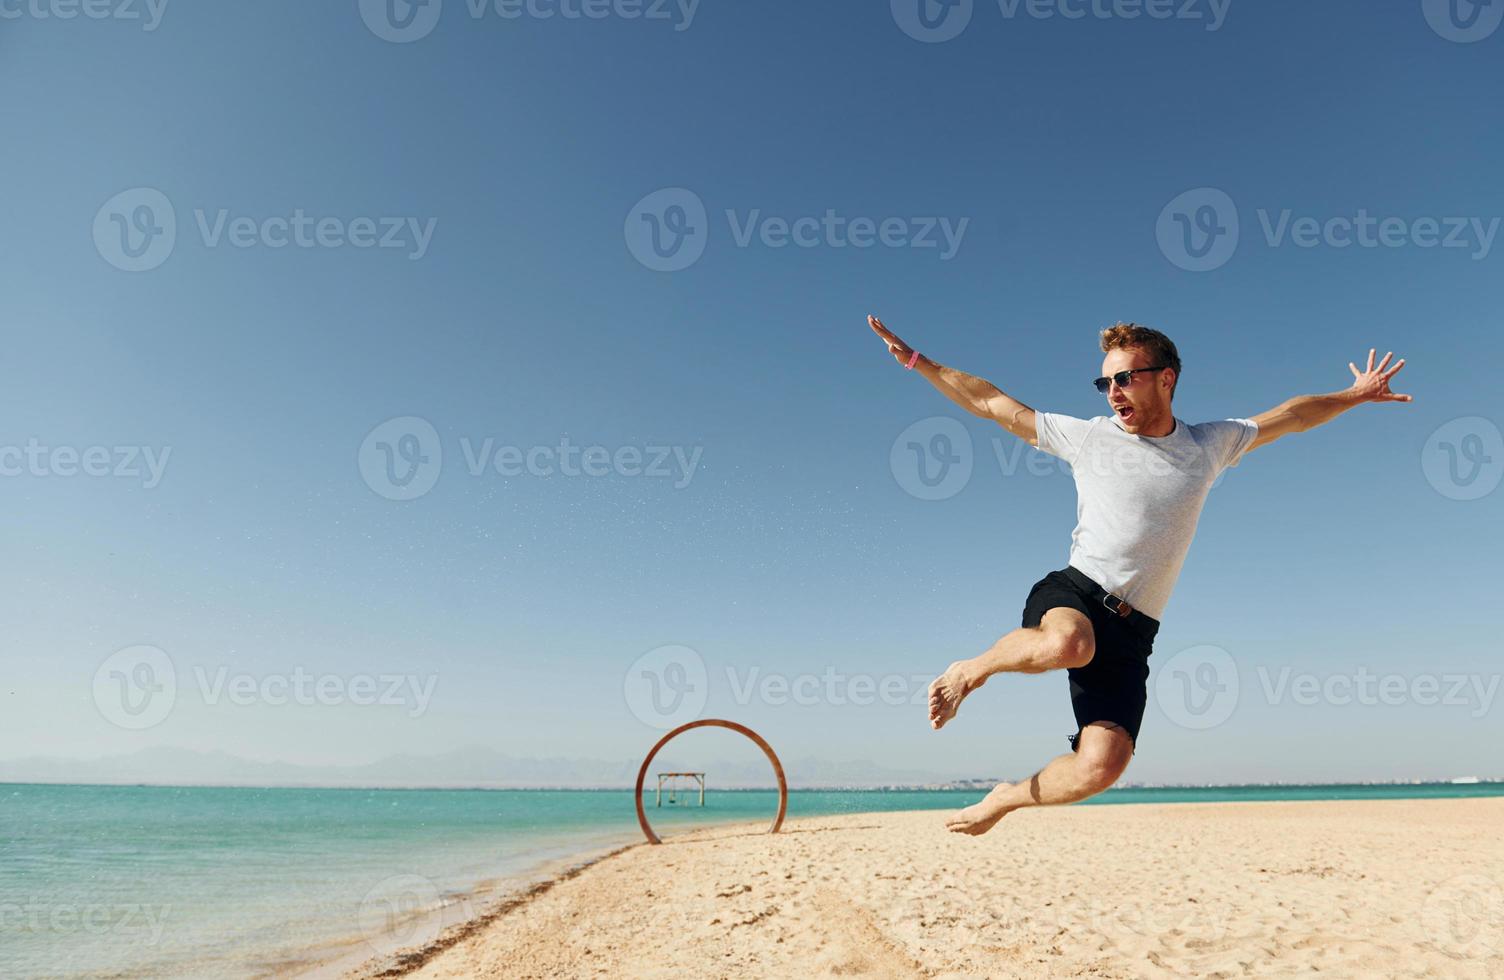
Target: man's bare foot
982,816
948,690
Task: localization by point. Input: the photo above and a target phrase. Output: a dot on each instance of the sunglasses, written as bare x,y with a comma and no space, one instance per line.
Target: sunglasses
1123,378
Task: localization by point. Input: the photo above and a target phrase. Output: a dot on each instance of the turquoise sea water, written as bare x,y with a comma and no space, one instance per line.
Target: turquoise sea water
134,881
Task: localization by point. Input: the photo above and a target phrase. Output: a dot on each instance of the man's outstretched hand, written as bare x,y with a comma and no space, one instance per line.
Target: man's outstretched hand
900,351
1372,384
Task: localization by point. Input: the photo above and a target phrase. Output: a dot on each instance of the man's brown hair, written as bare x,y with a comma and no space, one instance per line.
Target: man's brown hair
1161,349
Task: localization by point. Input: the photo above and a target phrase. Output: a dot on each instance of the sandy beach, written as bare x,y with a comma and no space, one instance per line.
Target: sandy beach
1394,888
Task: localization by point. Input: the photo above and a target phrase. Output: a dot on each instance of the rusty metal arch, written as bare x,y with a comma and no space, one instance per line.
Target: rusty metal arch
783,786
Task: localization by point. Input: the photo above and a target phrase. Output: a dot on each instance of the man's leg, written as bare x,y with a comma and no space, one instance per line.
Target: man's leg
1062,639
1102,753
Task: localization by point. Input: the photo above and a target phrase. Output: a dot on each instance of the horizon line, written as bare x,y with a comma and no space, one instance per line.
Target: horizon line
950,785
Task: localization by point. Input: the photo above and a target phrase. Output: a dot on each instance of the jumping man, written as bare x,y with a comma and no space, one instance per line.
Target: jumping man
1142,476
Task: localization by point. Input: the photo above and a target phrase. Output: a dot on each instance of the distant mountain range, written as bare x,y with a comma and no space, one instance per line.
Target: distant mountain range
475,766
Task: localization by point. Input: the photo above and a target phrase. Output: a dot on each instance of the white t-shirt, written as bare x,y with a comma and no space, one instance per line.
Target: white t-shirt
1138,498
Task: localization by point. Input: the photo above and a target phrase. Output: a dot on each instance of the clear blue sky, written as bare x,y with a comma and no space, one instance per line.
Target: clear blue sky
527,142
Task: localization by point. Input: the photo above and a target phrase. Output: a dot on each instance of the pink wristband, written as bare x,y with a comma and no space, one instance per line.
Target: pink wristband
913,359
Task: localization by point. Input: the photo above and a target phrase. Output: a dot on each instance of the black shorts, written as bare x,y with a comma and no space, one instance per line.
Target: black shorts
1114,687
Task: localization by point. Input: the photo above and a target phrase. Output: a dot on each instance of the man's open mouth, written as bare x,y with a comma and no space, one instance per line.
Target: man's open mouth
1125,412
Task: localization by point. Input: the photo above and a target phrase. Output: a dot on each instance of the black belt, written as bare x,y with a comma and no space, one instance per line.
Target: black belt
1114,604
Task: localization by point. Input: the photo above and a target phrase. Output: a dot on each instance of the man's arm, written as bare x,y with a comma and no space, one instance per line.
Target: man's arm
1309,411
979,397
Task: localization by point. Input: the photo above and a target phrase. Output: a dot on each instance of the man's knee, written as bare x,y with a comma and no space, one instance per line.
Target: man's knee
1072,643
1104,752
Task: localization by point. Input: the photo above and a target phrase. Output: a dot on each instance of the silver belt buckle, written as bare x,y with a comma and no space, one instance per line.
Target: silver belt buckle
1118,609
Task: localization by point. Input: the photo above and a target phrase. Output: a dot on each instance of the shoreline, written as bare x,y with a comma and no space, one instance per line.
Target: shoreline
524,888
408,960
461,912
633,904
